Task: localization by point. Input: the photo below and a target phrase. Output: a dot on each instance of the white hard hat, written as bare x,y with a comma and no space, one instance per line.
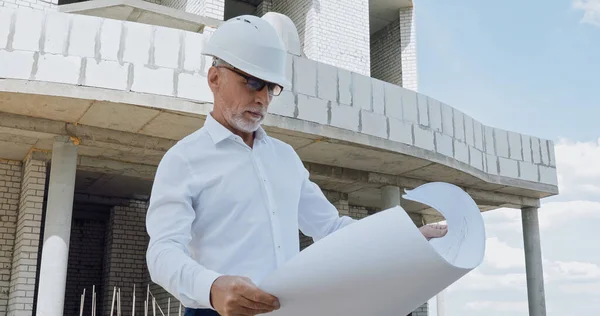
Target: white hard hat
252,45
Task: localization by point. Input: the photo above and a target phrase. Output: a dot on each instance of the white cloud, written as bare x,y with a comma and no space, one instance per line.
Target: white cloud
503,306
502,256
591,10
577,165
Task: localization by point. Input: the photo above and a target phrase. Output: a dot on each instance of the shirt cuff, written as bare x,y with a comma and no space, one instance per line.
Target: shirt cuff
203,284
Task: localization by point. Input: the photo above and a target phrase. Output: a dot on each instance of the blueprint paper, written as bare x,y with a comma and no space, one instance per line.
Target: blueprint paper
382,264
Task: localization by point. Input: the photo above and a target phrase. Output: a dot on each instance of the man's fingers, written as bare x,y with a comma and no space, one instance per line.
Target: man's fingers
255,306
255,294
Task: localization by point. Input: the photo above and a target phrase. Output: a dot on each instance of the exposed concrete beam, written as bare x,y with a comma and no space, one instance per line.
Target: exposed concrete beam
480,196
114,167
85,133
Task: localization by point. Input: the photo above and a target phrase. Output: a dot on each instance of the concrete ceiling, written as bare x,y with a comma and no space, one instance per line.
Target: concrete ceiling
383,12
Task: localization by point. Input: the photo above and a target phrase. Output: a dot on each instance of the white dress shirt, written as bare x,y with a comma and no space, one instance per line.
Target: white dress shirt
220,207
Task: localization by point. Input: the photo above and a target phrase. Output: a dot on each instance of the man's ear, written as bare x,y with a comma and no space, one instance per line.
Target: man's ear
213,78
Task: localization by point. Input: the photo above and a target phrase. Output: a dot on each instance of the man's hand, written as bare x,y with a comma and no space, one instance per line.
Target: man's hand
433,231
234,295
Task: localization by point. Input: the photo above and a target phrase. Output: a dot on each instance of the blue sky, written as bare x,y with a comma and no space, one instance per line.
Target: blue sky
532,67
528,66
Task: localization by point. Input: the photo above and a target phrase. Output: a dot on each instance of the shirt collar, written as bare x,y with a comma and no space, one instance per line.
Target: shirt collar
219,132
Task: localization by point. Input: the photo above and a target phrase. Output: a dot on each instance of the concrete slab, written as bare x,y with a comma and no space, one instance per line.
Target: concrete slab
172,126
435,172
13,151
337,154
121,117
54,108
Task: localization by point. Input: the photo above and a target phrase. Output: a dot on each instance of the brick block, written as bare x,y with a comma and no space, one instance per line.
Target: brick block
16,64
305,76
489,140
167,43
491,164
535,150
289,70
528,171
476,158
344,86
501,140
57,30
461,151
5,22
393,101
58,68
478,135
361,92
82,41
137,43
284,104
469,132
110,39
514,142
410,112
194,87
548,175
423,109
106,74
344,116
28,29
526,143
327,82
508,167
552,157
154,81
400,131
443,144
447,120
435,114
378,93
373,124
192,59
545,152
312,109
424,138
459,124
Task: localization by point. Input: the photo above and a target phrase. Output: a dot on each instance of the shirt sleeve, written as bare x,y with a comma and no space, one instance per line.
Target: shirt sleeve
317,217
169,223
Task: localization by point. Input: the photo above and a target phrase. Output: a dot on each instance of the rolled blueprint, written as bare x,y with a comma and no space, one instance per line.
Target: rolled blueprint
382,264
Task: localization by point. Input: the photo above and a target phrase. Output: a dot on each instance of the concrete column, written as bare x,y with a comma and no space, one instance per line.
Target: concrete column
390,196
57,228
533,261
441,303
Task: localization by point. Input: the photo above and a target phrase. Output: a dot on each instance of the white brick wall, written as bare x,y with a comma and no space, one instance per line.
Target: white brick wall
30,4
125,254
386,54
27,239
408,43
332,31
209,8
10,187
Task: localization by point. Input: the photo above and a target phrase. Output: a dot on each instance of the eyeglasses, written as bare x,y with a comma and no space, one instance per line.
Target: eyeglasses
256,84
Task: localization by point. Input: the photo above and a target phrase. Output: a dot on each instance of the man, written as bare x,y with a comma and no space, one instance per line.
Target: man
228,200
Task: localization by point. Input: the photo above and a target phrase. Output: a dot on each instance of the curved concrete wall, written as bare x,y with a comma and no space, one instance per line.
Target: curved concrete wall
110,54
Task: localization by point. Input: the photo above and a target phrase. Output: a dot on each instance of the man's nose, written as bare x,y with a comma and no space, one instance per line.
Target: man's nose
262,96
